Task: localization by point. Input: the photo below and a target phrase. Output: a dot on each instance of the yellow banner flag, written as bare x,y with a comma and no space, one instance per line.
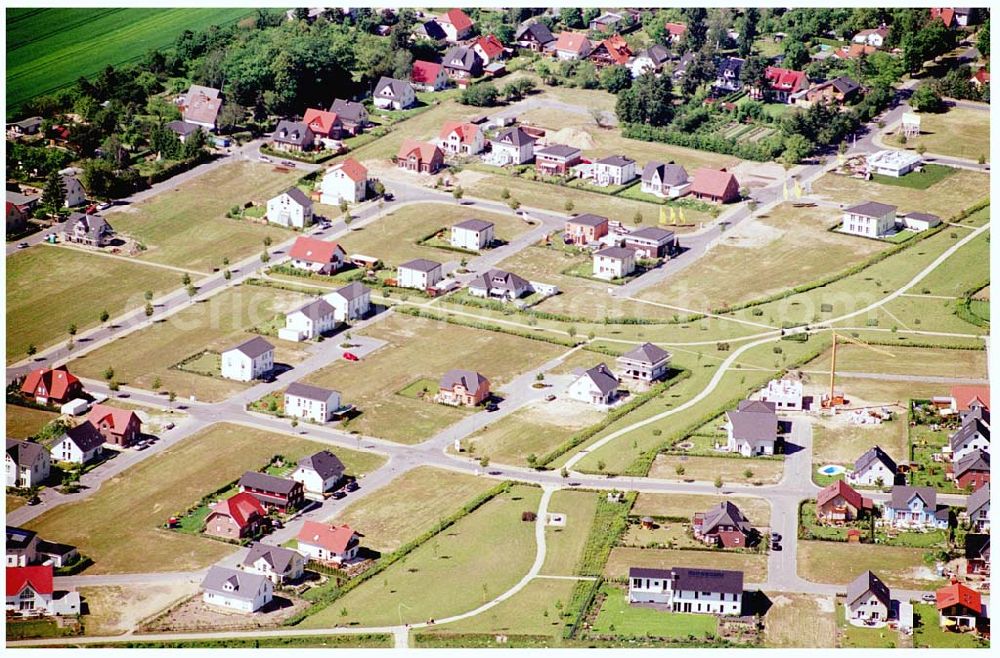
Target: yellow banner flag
681,214
798,190
663,215
784,190
673,215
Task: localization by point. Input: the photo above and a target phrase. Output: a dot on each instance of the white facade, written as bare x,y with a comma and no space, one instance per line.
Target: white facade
346,309
875,474
586,390
786,394
605,174
415,278
27,476
316,552
337,186
263,567
869,38
613,267
313,482
502,154
471,239
75,194
975,441
654,186
400,99
455,144
238,366
310,409
869,227
746,448
66,450
285,210
868,607
299,326
660,590
231,601
893,163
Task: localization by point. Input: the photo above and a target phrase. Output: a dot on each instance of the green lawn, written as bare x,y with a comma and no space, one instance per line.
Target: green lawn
23,422
169,482
48,49
859,637
968,268
619,618
959,132
532,611
478,558
425,387
840,563
929,634
50,288
564,545
917,180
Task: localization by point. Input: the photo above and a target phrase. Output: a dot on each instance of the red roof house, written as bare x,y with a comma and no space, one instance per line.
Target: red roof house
461,137
980,77
317,255
854,51
840,502
428,75
572,45
613,50
323,123
328,543
946,14
716,185
488,48
118,426
785,82
236,517
55,385
38,578
676,30
456,24
963,397
420,157
959,606
353,170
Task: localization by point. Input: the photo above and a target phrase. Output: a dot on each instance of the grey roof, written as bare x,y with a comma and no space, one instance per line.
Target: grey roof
868,582
755,423
469,379
309,392
85,436
244,585
657,53
968,430
397,87
537,31
352,290
731,65
647,353
500,279
901,495
515,137
293,132
616,161
977,547
433,30
54,548
871,456
558,151
94,225
669,173
316,309
977,499
708,580
299,196
588,220
603,378
925,216
349,110
646,572
654,233
682,64
725,513
253,347
19,199
978,460
421,265
615,252
280,559
474,224
871,209
325,463
267,483
18,538
28,123
461,58
845,85
25,453
183,128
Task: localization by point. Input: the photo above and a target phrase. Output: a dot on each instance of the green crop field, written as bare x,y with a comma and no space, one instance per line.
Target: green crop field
48,49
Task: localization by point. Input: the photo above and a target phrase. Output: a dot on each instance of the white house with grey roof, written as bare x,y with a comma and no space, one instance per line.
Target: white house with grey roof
915,508
320,472
235,590
352,302
652,242
291,208
27,464
277,564
650,60
891,162
90,230
308,322
974,434
498,284
311,402
79,445
472,234
870,219
613,170
419,273
292,136
614,263
683,589
248,361
918,221
512,146
353,115
75,194
752,428
392,94
874,468
646,363
977,507
665,180
869,601
597,386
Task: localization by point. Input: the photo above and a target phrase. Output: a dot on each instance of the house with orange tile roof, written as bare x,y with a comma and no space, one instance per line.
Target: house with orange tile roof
344,181
460,138
328,543
51,385
572,46
323,124
611,51
676,31
419,157
316,255
959,607
456,25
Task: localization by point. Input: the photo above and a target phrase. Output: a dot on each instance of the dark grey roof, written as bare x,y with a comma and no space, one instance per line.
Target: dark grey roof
645,572
299,196
968,430
871,209
537,31
725,513
977,547
978,460
654,233
901,495
309,392
469,379
616,161
845,85
868,582
603,378
316,309
85,436
243,585
461,58
731,65
682,65
474,224
25,453
647,353
755,423
30,122
93,225
349,110
280,559
352,290
183,128
397,87
558,151
670,174
54,548
924,216
656,53
500,279
433,30
267,483
325,463
708,580
588,220
253,347
977,499
615,252
872,455
293,132
515,137
19,199
19,538
421,265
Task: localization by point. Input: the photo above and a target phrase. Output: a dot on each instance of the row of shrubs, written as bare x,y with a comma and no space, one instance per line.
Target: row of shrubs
559,317
764,150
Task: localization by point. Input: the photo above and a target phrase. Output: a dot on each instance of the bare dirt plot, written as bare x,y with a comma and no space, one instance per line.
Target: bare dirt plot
959,132
730,469
196,615
840,563
187,227
419,348
564,545
945,199
410,506
754,567
116,609
23,422
787,247
916,361
757,510
217,324
875,391
835,441
800,620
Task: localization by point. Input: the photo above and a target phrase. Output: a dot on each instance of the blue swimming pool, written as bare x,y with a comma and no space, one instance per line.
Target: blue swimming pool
832,469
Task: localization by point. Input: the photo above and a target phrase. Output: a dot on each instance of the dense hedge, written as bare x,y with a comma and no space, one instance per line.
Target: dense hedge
763,151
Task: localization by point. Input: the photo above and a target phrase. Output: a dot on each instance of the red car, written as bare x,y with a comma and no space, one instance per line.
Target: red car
350,357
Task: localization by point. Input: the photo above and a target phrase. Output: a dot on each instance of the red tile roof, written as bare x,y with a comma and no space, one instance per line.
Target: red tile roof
313,250
490,45
959,594
426,151
466,131
241,508
571,41
844,490
946,14
320,121
785,79
425,72
982,76
676,29
40,579
713,182
118,419
333,538
854,51
354,170
458,18
617,48
963,395
56,382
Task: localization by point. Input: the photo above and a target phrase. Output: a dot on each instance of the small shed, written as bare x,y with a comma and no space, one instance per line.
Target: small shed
75,407
647,522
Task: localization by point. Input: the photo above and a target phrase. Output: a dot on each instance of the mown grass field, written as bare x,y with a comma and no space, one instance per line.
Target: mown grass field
48,49
753,566
800,620
838,442
114,530
23,422
959,132
617,617
840,562
757,510
50,288
916,361
944,199
564,545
